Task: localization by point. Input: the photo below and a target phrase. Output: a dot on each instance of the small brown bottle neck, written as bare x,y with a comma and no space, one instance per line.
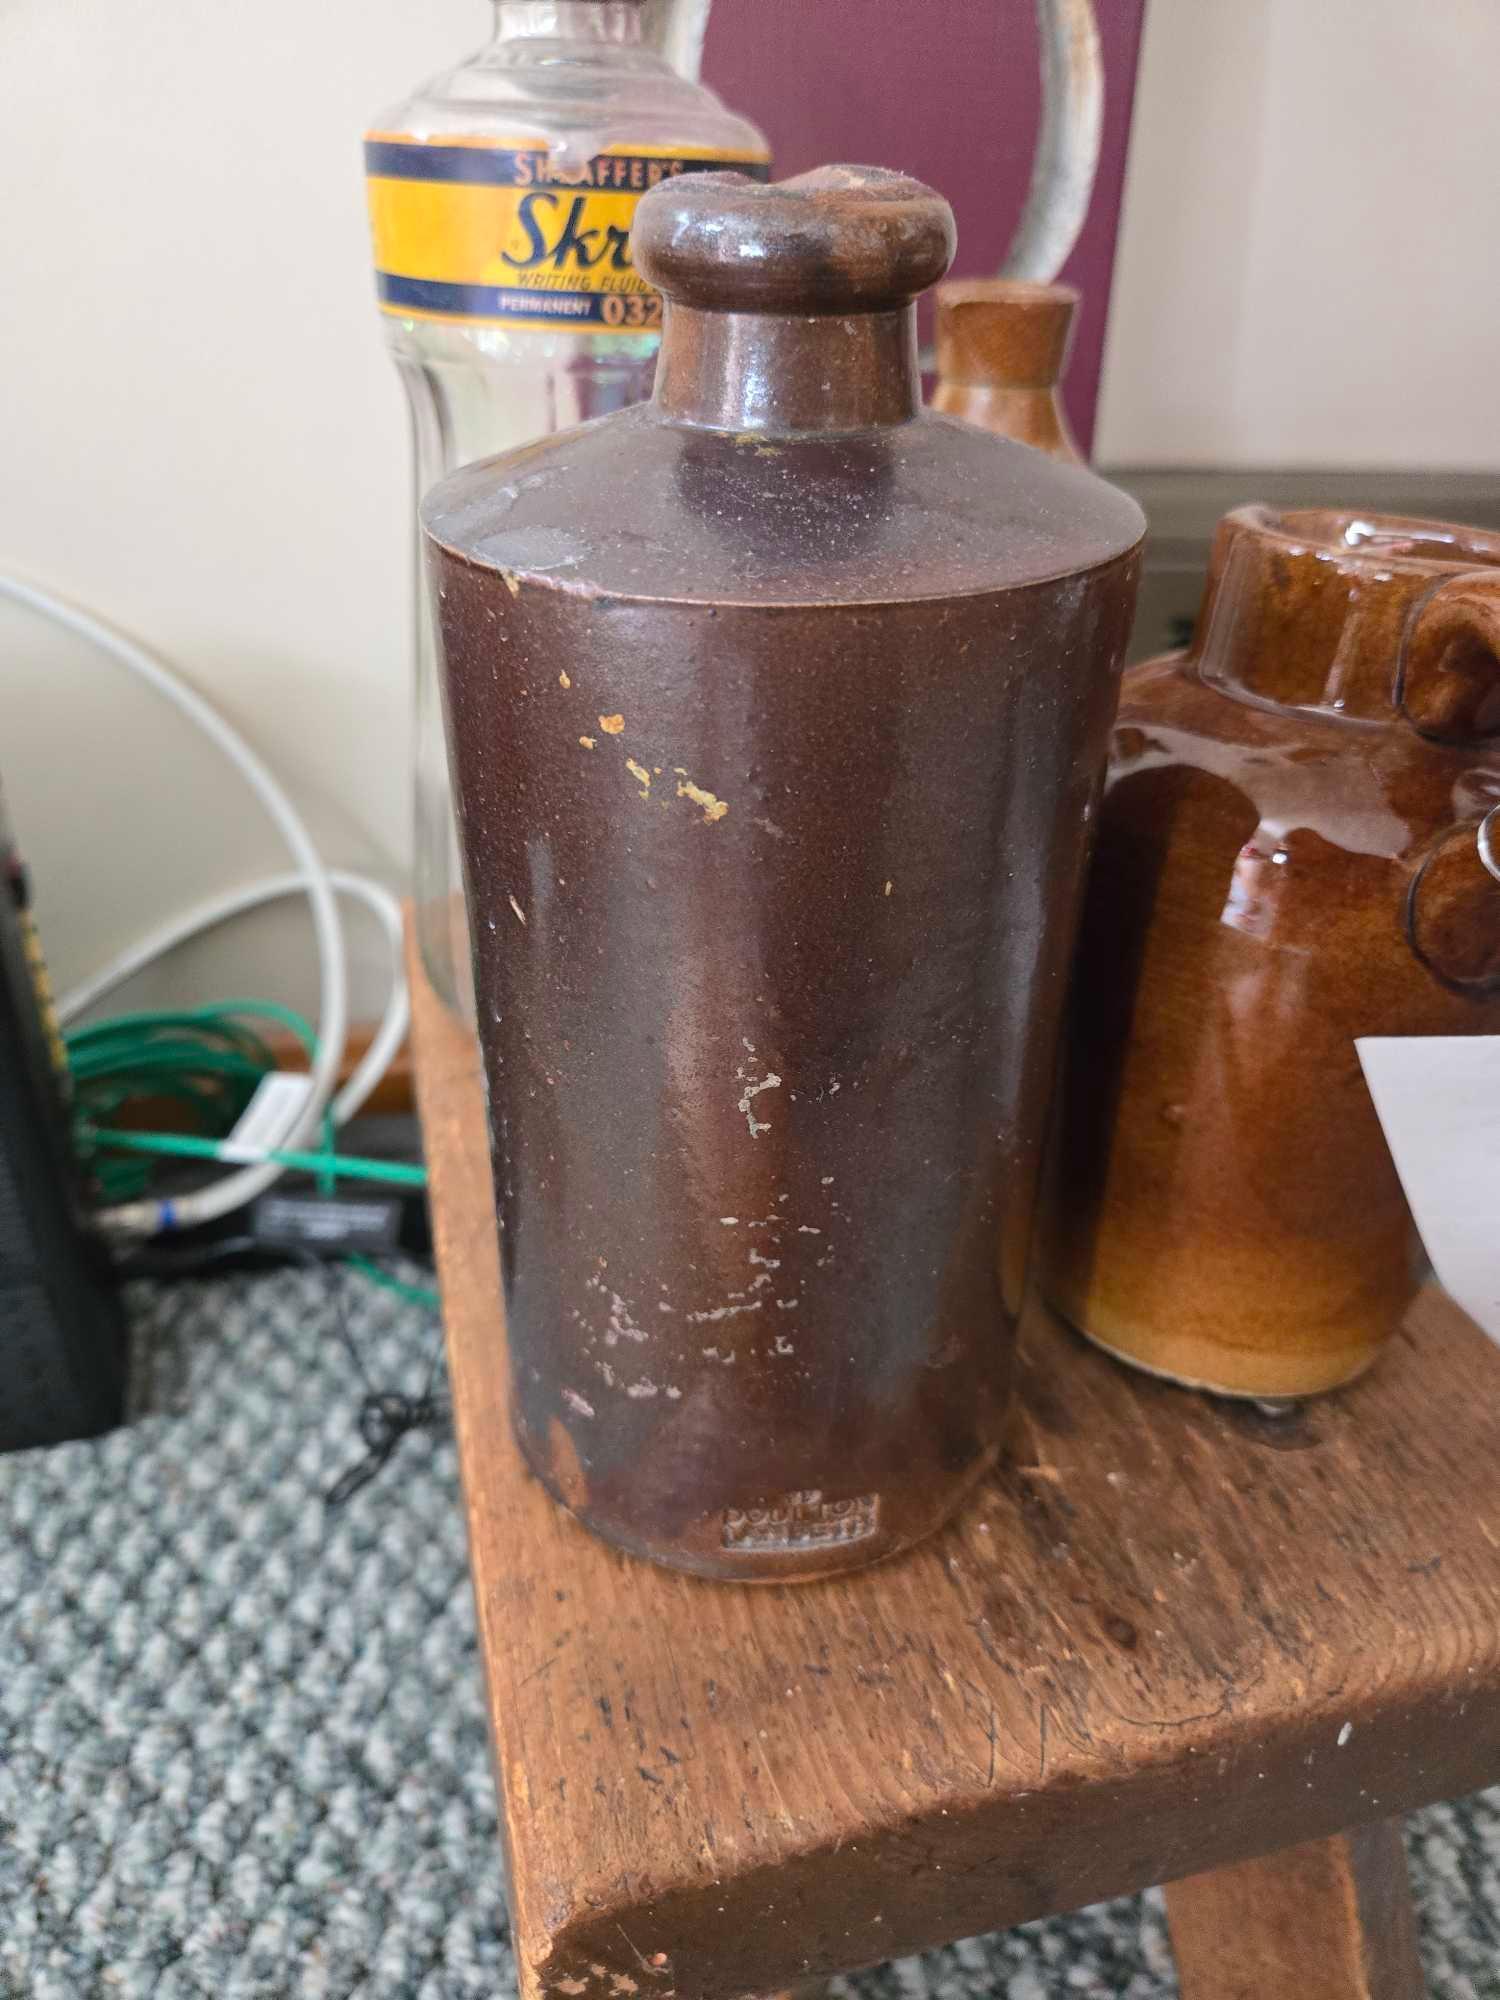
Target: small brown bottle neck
788,373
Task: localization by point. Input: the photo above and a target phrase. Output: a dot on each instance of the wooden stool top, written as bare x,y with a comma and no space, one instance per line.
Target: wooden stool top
1171,1634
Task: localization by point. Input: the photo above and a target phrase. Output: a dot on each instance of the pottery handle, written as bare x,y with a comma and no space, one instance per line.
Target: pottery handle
1448,672
1452,912
1485,841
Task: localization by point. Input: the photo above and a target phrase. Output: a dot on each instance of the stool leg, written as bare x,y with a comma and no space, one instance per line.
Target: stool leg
1330,1920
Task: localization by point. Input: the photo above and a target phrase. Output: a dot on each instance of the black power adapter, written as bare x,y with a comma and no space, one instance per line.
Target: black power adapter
63,1352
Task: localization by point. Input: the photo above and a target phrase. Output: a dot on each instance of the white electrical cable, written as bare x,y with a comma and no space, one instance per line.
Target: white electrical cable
301,1125
204,916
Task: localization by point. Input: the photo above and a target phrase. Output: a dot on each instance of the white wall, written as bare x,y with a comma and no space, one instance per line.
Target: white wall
204,439
1309,269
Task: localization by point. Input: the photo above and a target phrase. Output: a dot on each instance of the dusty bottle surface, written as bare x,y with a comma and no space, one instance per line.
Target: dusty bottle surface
776,709
501,196
1287,858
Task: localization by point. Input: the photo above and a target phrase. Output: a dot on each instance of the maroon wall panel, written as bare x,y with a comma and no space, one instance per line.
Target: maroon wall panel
944,89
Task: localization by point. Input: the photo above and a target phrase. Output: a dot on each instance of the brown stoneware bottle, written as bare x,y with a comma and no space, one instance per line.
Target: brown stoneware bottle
776,708
1002,345
1288,856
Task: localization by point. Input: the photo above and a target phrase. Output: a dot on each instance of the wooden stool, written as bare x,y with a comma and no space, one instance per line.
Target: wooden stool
1174,1640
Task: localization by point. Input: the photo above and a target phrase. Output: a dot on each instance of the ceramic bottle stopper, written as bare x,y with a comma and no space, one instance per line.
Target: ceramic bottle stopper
1288,857
776,707
1002,345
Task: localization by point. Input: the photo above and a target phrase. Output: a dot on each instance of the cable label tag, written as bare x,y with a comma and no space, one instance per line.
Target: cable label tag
370,1224
268,1118
506,232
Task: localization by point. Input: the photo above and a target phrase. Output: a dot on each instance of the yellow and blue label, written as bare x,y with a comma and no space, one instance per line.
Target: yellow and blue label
503,233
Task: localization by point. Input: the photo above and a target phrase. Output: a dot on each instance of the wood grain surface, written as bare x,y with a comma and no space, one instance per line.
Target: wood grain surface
1169,1634
1328,1920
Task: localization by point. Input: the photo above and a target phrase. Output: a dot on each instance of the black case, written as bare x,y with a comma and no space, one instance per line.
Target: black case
62,1332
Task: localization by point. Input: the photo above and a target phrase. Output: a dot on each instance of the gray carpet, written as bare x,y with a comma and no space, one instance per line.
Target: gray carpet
242,1747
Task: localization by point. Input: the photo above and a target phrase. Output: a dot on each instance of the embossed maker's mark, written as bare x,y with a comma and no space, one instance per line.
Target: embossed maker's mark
801,1521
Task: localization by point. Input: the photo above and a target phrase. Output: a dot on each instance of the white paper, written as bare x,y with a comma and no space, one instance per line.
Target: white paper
267,1117
1438,1098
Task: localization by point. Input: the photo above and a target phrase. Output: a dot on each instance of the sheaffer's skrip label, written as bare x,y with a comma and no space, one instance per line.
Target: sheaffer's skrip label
502,232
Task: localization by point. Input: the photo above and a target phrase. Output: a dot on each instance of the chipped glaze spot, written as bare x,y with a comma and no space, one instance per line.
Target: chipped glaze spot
641,775
770,1081
713,809
587,742
562,679
611,724
621,1325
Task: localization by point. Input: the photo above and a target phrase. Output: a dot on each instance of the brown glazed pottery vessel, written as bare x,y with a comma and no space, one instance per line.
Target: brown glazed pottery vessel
1287,857
1002,345
776,707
